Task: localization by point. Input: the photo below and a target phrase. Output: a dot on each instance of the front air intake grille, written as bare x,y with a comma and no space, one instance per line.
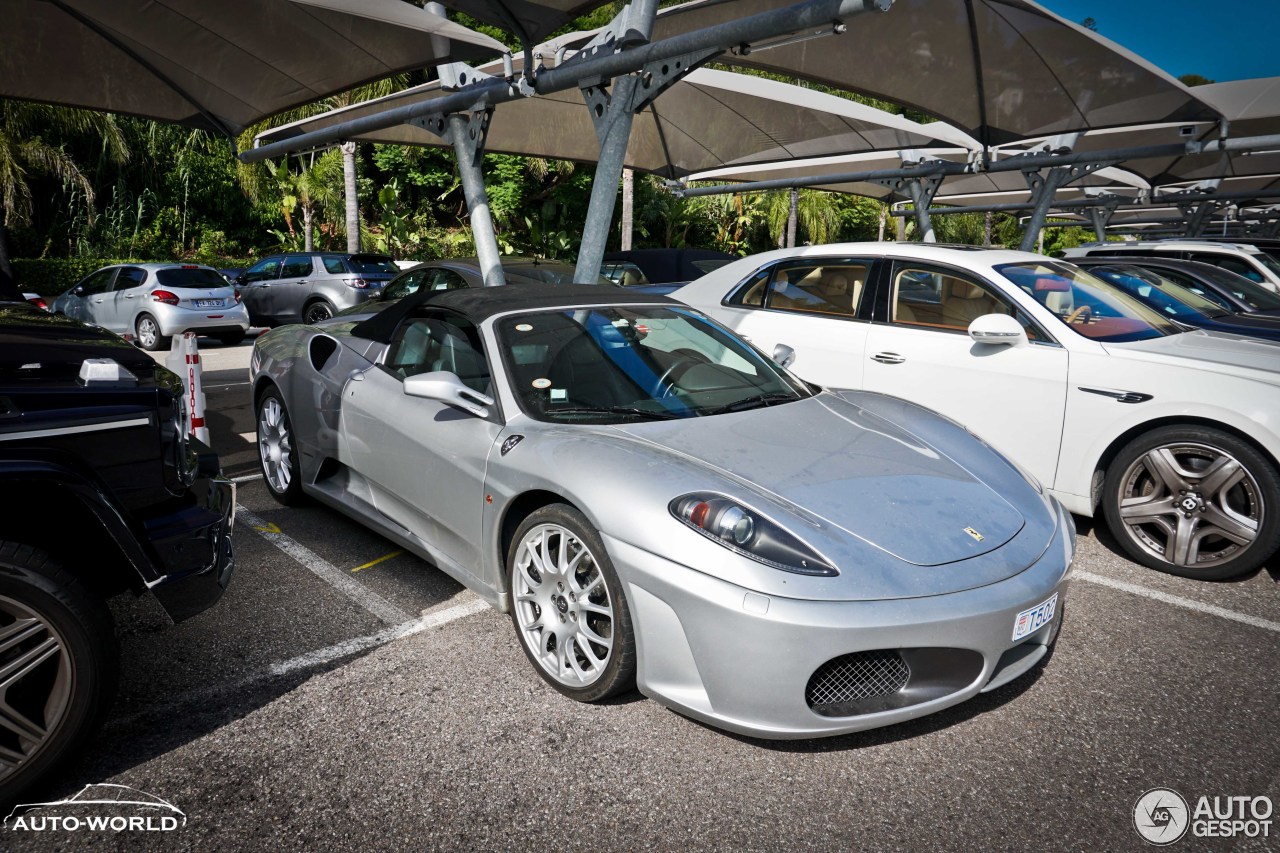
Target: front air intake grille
840,685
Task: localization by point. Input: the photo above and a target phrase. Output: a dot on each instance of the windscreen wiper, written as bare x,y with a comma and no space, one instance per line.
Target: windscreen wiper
752,402
615,410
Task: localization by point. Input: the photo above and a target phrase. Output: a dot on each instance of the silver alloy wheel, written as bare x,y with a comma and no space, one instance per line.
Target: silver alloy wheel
36,676
1191,504
148,332
562,605
316,312
275,445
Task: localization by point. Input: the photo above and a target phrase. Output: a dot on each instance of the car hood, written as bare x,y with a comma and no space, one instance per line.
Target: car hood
1215,351
37,344
868,476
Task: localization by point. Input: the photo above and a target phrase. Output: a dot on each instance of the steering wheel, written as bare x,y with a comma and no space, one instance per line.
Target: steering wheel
1083,314
689,358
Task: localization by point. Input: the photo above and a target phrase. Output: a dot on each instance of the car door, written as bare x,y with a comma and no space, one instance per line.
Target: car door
255,288
424,460
1014,397
815,306
81,305
126,296
289,291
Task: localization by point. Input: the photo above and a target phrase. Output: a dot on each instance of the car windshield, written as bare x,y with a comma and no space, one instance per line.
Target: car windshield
1167,297
627,364
1087,304
1255,295
372,264
1269,262
548,273
190,277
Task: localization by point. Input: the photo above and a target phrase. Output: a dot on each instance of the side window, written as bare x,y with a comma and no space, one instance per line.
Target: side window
130,277
1230,264
99,282
435,342
296,266
405,284
938,299
1197,288
333,265
751,294
830,288
443,279
264,270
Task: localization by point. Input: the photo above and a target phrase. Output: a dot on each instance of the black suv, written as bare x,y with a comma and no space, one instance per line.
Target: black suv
104,493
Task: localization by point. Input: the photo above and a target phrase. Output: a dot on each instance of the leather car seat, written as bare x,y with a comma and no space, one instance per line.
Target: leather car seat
962,303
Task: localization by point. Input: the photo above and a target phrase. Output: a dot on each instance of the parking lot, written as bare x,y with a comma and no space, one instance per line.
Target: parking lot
348,695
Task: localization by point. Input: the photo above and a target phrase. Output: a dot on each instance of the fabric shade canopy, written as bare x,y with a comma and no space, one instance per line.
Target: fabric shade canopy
216,65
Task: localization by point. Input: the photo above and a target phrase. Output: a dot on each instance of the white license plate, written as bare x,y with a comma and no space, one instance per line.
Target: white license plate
1030,621
208,303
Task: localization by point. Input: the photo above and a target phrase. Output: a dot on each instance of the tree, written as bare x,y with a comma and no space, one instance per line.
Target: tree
1194,80
1089,24
25,153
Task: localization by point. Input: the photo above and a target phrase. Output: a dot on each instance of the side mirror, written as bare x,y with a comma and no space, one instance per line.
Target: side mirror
784,355
448,388
78,290
998,329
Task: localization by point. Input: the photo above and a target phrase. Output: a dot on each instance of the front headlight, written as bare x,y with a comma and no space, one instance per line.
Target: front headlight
749,533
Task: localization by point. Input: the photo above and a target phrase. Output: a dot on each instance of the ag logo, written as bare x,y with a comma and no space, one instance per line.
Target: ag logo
978,537
1161,816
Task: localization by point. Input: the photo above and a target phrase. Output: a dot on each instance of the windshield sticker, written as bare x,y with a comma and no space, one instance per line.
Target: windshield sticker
524,327
559,394
540,384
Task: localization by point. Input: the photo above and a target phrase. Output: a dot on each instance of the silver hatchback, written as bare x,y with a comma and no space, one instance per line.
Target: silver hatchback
154,302
307,287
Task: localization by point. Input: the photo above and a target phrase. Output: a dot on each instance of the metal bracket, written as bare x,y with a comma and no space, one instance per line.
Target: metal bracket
458,75
1044,185
919,188
477,128
1100,214
1198,215
658,76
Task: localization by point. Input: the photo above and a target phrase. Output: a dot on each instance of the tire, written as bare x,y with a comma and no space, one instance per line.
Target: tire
315,312
1178,480
66,692
588,665
230,339
146,330
277,451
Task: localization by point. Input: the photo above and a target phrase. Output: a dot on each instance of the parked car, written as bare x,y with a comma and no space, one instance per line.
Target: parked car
231,274
1230,291
655,502
1172,435
105,494
640,267
154,302
454,273
1239,258
307,287
1179,303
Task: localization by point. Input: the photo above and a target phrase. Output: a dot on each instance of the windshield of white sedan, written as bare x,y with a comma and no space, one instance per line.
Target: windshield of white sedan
1087,304
617,365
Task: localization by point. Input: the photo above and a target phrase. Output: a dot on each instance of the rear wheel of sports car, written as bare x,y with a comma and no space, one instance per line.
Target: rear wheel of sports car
1195,502
147,332
276,450
58,665
568,606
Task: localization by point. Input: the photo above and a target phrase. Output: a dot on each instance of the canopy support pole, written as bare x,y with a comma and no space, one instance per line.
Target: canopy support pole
1198,215
1100,215
920,189
467,135
1044,185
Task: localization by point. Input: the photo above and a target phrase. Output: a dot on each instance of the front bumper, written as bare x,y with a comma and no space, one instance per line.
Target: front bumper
194,544
742,661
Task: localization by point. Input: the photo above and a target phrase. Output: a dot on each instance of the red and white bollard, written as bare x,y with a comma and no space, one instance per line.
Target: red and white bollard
184,360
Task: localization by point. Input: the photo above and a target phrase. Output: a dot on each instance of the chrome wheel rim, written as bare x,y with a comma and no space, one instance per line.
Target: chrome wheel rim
275,445
317,312
147,332
1191,504
36,675
562,605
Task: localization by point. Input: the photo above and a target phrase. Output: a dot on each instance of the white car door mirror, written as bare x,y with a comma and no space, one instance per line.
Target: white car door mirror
998,329
448,388
784,355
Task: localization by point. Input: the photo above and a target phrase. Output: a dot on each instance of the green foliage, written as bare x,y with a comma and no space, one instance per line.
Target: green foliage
51,276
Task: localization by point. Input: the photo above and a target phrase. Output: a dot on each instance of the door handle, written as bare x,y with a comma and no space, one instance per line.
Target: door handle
303,281
131,296
888,358
97,302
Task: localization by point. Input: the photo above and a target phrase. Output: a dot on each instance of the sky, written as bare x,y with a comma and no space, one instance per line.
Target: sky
1219,39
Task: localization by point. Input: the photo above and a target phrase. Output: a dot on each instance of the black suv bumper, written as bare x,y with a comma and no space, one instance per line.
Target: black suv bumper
195,544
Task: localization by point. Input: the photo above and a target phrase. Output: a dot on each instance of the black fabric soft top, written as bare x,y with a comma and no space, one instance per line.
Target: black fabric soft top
480,303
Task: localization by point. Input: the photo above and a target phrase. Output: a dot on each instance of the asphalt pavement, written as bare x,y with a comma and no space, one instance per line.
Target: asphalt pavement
345,696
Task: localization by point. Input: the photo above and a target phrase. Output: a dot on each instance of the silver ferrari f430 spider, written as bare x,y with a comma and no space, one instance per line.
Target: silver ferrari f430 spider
659,505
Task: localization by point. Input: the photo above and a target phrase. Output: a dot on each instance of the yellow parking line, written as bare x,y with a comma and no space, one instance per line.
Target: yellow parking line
268,527
373,563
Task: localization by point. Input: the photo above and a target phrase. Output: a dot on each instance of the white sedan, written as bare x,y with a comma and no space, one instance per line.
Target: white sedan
1170,433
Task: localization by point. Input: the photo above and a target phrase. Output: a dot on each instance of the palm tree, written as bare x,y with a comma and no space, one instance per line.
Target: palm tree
313,190
815,211
24,153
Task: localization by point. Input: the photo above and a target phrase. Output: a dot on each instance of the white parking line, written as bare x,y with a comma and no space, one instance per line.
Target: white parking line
326,571
1179,601
245,478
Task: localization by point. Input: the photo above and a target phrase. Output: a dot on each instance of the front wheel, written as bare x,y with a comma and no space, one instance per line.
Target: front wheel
1195,502
276,450
58,666
568,606
147,333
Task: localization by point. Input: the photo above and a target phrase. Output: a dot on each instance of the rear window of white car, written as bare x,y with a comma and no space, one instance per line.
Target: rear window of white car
190,277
